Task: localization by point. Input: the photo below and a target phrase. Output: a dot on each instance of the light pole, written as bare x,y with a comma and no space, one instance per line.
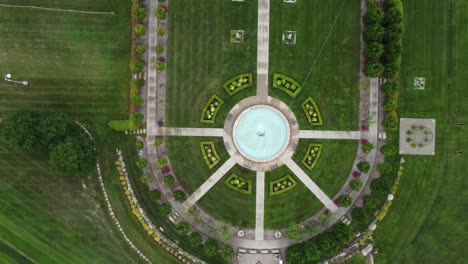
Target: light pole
8,79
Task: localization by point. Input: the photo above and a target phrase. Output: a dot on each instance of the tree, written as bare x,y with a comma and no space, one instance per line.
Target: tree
388,150
363,166
342,233
374,51
360,215
169,180
140,29
380,185
393,15
55,127
195,239
384,168
328,246
227,253
391,69
390,104
390,88
371,201
20,129
155,195
374,33
179,195
373,16
295,254
73,157
392,52
355,184
393,33
211,247
373,69
390,121
182,228
311,250
293,231
344,200
164,209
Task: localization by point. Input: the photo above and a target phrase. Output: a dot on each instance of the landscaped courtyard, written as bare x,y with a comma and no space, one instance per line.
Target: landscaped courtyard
242,130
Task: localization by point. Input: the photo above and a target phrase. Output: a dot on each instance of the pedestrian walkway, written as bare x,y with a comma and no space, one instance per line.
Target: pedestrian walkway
208,184
263,42
330,134
151,82
260,206
311,185
185,131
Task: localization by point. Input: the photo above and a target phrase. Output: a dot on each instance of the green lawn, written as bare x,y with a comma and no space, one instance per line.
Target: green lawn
427,221
202,58
76,63
325,58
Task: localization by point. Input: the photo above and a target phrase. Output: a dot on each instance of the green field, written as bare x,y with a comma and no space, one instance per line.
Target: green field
202,58
325,58
427,221
76,63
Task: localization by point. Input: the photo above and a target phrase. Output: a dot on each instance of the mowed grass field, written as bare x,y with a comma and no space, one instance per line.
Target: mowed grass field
427,221
325,58
201,57
78,64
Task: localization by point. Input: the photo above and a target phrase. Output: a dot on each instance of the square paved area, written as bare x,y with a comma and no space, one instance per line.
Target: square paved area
417,136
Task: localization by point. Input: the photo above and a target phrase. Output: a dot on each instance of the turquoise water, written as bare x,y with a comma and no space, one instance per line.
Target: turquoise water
261,133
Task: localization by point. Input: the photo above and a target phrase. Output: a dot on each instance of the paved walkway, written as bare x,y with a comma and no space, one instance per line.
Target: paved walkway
311,185
185,131
328,134
208,184
260,206
151,81
263,43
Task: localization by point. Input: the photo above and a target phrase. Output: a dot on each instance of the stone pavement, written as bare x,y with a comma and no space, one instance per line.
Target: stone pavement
208,184
263,42
328,134
185,131
260,206
311,185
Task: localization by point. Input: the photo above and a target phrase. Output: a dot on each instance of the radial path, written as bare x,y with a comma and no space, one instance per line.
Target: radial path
260,206
186,131
324,134
263,43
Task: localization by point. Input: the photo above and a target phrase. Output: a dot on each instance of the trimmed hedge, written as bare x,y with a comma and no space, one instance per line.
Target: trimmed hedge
282,185
119,125
210,110
209,153
238,83
239,184
312,112
286,84
312,155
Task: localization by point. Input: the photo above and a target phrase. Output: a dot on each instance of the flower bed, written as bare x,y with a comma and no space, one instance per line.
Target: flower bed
239,184
238,83
210,110
312,112
312,155
282,185
286,84
209,153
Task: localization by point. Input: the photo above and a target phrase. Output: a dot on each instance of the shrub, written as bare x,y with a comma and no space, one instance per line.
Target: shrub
355,184
164,209
390,88
393,15
360,215
160,66
384,168
21,129
211,247
344,200
136,66
295,254
391,69
159,49
311,250
373,69
227,253
371,3
140,29
364,166
393,33
392,52
162,162
119,125
373,16
155,195
141,163
139,144
140,49
390,104
161,12
179,196
160,31
390,121
169,180
328,246
138,100
341,233
374,33
371,201
158,141
293,231
141,13
146,178
182,228
388,150
139,82
380,185
367,148
374,51
195,239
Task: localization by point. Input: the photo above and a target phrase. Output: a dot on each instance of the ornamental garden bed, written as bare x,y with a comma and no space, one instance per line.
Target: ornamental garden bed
209,153
238,83
210,110
239,184
286,84
312,155
312,112
282,185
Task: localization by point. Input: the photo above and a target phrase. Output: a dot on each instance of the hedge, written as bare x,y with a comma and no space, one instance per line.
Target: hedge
312,155
286,84
234,182
210,110
238,83
209,153
312,112
287,181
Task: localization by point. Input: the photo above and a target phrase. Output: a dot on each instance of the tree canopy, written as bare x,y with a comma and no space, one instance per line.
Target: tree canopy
73,156
20,129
